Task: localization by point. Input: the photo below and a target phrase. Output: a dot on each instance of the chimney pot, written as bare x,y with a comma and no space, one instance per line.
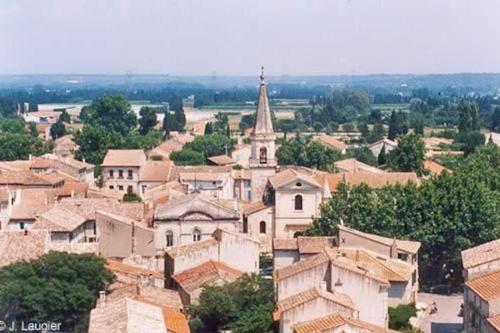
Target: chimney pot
102,298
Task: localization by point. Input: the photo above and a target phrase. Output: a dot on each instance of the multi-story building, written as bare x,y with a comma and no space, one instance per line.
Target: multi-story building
120,170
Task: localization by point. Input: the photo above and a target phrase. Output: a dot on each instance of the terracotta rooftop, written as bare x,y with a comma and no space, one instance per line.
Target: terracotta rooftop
253,207
124,157
290,175
353,165
343,262
203,177
155,171
285,244
216,169
22,245
158,295
59,219
30,178
486,286
330,141
329,323
221,160
32,203
373,180
87,207
481,254
189,248
41,163
120,267
241,174
391,269
311,294
402,245
206,274
301,266
434,168
495,322
313,245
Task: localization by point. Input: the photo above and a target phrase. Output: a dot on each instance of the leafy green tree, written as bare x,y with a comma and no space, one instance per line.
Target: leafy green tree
418,124
113,113
64,116
187,156
209,128
243,306
180,119
169,123
469,141
175,103
409,154
211,145
397,125
33,131
93,142
57,130
377,133
365,155
348,127
247,121
382,156
308,153
19,146
148,119
57,287
221,123
469,117
495,120
13,125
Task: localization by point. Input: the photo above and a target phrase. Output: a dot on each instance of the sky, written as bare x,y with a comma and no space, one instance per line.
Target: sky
236,37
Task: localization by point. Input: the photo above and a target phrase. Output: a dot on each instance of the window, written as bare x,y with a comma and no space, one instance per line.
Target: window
111,174
263,155
299,184
129,189
111,187
21,225
169,237
120,173
144,187
262,227
120,187
196,235
245,225
298,202
403,256
129,174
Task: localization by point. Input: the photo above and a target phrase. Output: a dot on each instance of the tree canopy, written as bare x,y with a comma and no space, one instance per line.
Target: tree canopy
57,287
243,306
308,153
409,155
447,213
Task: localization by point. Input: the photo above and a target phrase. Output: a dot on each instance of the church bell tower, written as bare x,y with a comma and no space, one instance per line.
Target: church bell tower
262,158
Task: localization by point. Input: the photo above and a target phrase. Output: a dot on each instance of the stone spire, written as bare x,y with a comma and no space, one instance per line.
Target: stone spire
263,123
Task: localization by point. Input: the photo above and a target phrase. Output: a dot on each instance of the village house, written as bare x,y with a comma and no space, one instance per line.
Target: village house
287,251
242,184
64,146
337,324
312,304
330,142
482,259
79,170
403,272
353,165
222,258
193,218
241,154
482,303
120,170
153,173
386,144
336,273
18,245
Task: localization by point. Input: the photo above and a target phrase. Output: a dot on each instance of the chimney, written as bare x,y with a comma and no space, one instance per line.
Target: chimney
83,160
138,287
25,232
30,157
72,193
102,298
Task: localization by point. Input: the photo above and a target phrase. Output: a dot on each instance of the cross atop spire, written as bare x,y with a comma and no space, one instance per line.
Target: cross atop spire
262,74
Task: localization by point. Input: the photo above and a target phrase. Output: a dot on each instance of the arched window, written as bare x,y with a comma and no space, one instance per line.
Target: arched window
196,235
262,227
263,155
169,238
297,234
298,202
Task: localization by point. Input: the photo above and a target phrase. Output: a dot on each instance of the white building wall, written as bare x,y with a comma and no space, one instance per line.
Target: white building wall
301,282
239,253
284,258
369,296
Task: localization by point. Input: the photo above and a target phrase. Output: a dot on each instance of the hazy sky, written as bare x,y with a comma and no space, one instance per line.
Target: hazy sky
234,37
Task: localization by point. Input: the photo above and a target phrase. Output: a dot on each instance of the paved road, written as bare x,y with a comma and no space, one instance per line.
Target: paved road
446,319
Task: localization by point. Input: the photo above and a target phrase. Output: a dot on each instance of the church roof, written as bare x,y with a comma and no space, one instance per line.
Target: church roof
263,123
194,204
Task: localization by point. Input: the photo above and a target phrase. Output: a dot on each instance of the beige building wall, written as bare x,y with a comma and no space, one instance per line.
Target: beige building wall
121,184
301,281
288,220
314,309
369,296
239,252
254,231
284,258
479,270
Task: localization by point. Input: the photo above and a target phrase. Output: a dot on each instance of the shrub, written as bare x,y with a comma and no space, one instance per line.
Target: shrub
399,317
